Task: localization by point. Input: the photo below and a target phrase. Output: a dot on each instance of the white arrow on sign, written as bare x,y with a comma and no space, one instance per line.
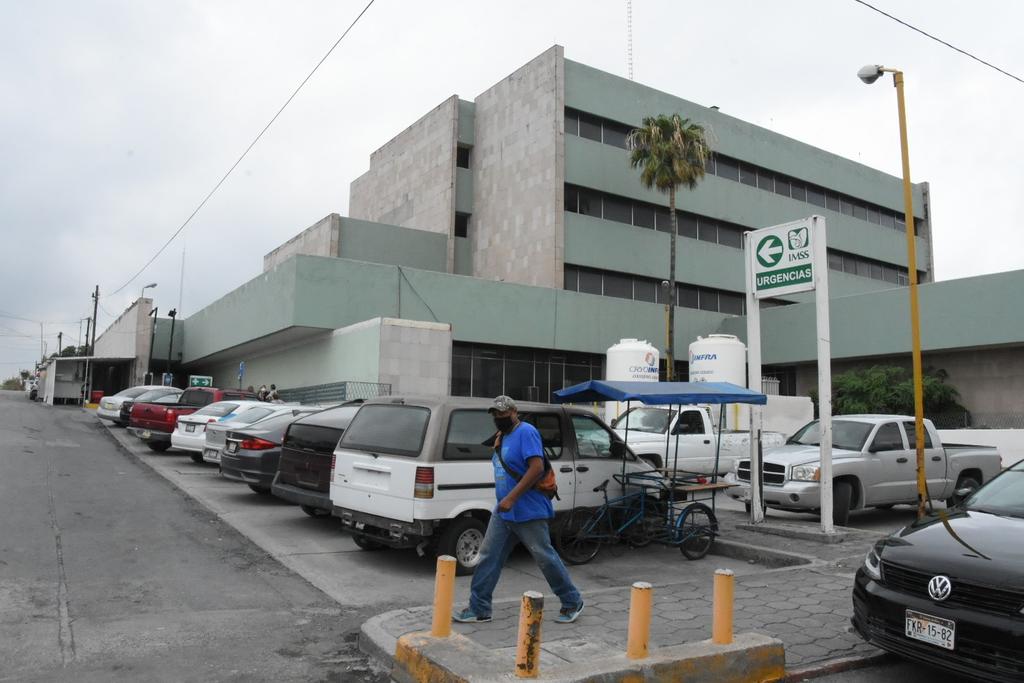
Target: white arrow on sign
769,248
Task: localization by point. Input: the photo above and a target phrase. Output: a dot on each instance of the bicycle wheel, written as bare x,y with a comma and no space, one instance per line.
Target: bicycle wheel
695,531
641,531
576,540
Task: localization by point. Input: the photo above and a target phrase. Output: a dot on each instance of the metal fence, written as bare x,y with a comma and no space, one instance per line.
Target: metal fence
969,420
335,392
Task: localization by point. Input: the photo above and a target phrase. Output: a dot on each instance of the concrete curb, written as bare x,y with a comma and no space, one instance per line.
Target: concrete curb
420,658
841,535
837,665
771,558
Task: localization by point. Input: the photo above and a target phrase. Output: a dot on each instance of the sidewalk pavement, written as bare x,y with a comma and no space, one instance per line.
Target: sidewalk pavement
807,606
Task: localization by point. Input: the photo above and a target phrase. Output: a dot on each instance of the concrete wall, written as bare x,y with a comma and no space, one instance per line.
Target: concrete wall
411,181
518,175
390,244
320,239
129,337
1010,442
416,357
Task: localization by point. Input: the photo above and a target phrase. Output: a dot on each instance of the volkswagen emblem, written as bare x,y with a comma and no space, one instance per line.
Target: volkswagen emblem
939,588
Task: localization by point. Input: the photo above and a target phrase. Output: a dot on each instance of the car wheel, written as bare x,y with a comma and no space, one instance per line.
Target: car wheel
196,457
314,511
462,539
159,446
262,490
842,495
366,543
964,482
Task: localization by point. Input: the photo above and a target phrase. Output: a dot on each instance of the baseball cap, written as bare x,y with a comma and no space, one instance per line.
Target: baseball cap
502,404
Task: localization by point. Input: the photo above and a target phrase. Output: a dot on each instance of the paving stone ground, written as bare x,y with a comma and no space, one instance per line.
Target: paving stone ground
807,607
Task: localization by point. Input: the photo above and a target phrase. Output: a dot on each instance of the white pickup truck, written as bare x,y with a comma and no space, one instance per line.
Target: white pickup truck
692,442
874,465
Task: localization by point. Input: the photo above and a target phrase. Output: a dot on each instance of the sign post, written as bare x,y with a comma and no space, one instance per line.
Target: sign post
200,381
786,259
241,373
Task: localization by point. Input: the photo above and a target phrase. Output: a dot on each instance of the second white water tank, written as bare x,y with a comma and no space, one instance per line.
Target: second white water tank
720,358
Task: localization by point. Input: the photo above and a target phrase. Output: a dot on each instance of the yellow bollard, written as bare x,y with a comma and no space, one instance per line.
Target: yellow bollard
528,650
444,593
721,625
640,598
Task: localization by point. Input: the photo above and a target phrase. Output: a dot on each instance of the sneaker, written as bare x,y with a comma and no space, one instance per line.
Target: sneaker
468,616
567,615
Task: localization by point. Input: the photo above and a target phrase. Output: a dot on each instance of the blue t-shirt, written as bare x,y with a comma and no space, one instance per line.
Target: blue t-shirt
517,447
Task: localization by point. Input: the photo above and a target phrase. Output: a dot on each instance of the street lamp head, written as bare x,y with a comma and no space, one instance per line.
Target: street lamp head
150,286
870,73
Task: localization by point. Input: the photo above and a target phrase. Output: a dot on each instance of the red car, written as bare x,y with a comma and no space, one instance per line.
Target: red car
154,422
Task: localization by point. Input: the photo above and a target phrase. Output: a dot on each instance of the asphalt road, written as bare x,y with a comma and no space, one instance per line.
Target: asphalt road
109,573
893,669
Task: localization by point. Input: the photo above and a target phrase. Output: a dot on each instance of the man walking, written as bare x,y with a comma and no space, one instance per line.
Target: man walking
521,516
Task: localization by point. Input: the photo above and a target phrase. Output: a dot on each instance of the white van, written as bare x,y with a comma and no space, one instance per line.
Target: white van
417,472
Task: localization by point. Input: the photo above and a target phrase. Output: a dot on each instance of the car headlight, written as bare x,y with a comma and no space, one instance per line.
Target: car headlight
805,473
873,562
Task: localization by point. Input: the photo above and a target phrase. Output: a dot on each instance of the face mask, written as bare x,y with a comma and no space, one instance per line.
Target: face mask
504,424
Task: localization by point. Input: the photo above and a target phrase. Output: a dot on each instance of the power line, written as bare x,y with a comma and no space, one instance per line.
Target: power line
940,40
245,153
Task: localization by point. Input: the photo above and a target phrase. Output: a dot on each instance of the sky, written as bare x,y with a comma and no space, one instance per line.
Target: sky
117,117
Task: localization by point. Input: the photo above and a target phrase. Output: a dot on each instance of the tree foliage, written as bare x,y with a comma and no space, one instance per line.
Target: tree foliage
12,384
890,389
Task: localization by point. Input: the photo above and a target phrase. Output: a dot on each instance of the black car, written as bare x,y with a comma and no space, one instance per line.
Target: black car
949,590
251,453
304,468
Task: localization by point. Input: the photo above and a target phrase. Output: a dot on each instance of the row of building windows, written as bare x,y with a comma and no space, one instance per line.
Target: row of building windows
639,288
523,374
610,207
613,133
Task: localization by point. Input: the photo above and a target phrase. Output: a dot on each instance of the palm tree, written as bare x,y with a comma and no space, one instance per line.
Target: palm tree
670,151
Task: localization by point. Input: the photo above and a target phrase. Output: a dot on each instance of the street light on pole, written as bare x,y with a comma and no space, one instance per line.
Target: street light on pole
869,74
149,286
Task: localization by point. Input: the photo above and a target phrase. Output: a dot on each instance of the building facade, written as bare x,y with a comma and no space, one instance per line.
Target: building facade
515,220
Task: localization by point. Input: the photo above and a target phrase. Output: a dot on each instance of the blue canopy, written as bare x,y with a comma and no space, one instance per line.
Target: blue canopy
658,393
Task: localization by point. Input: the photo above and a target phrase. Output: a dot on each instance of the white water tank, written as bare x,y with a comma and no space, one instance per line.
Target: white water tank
721,358
630,360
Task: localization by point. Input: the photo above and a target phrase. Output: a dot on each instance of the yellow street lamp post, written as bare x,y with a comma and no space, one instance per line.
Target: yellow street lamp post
869,74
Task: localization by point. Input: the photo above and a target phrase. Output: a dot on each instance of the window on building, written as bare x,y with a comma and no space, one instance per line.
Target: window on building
901,223
709,166
850,265
571,278
708,230
873,215
730,236
590,282
835,261
462,157
846,206
688,225
590,127
730,303
782,185
572,199
816,196
617,285
798,191
708,300
663,220
618,209
615,134
860,211
645,290
748,175
590,203
833,203
765,180
727,168
572,122
687,296
643,216
462,225
887,219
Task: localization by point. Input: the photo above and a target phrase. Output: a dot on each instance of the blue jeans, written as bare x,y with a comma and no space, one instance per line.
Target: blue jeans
500,539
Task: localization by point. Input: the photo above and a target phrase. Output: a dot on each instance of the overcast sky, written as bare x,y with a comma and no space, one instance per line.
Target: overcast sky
117,117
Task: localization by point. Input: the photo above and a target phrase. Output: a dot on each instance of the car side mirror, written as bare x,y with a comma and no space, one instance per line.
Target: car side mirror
618,449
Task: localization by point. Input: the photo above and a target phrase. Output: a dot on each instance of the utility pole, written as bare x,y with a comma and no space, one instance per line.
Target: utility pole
42,348
95,304
88,322
170,345
60,343
152,340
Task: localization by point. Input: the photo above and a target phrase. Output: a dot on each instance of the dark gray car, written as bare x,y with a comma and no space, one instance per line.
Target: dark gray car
250,454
